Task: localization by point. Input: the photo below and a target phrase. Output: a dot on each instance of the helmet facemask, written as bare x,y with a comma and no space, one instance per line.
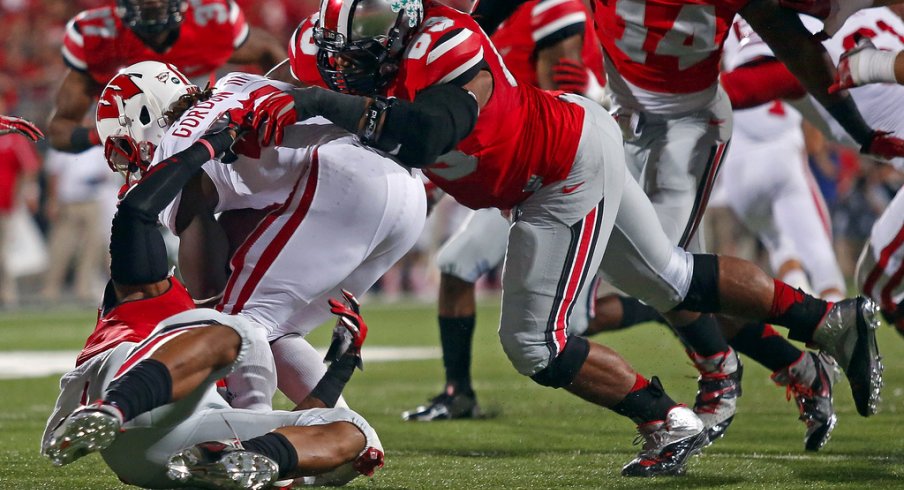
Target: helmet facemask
149,18
365,59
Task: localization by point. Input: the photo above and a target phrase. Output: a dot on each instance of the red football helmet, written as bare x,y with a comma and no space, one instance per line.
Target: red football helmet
362,41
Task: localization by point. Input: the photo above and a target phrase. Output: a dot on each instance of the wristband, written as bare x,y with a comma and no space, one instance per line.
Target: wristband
373,119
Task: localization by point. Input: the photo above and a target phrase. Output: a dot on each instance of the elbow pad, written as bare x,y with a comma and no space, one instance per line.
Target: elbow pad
418,132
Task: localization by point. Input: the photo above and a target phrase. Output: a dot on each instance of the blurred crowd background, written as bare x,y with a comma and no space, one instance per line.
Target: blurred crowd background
60,208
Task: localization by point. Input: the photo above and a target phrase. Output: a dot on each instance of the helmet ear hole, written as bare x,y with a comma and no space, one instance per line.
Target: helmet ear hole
145,116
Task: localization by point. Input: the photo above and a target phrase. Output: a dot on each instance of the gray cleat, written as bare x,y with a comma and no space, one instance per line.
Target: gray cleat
86,430
810,381
848,333
222,465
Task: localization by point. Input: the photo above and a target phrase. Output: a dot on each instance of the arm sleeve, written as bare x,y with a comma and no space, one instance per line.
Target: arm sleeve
137,252
758,83
443,115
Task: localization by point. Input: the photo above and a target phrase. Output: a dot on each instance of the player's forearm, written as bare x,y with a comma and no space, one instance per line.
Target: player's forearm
70,136
415,132
330,386
807,59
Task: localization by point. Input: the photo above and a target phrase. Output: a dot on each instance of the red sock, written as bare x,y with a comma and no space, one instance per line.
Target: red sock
797,310
639,383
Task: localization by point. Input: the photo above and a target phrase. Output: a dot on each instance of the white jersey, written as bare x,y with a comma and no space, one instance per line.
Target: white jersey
246,183
766,122
880,104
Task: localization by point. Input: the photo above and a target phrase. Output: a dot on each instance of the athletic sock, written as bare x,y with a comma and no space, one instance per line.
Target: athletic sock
763,344
456,335
635,312
703,336
142,388
646,402
276,447
797,310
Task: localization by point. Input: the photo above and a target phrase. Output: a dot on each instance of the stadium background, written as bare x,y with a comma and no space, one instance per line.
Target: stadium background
540,439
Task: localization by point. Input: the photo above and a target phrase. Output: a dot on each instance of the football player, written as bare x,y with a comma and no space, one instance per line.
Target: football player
552,45
197,36
143,389
328,214
576,210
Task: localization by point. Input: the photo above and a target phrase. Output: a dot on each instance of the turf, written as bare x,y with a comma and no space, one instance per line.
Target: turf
538,438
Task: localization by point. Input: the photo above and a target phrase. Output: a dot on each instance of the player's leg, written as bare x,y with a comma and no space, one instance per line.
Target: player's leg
475,248
676,160
173,367
314,447
773,199
303,251
880,270
555,246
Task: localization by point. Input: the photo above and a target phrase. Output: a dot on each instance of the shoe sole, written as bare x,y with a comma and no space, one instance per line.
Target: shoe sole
237,470
80,436
815,441
864,372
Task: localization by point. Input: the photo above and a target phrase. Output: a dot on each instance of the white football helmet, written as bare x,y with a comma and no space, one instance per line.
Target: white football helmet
130,113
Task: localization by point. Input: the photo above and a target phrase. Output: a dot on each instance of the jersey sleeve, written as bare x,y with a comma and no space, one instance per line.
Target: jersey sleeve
73,48
555,20
239,24
445,54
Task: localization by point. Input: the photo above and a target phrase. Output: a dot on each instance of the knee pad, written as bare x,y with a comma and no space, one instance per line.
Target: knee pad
703,293
562,370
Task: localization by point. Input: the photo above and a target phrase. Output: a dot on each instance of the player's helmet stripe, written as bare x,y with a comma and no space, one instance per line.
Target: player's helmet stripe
334,15
576,18
544,5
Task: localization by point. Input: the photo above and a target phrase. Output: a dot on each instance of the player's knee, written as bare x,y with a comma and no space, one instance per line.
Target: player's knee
562,370
703,291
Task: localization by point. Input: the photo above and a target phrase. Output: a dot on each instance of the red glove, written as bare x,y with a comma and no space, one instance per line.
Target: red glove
239,119
570,76
884,145
350,330
9,124
273,113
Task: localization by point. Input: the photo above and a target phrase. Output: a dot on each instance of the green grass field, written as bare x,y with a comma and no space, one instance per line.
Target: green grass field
538,438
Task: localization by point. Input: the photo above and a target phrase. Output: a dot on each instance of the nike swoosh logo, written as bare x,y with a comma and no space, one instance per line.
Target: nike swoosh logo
568,189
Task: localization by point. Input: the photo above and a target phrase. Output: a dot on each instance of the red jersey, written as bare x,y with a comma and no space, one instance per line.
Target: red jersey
133,321
666,46
489,167
17,157
98,44
537,24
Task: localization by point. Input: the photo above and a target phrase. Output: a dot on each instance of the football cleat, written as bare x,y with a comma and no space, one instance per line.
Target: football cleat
446,407
86,430
668,444
848,333
223,465
810,381
718,390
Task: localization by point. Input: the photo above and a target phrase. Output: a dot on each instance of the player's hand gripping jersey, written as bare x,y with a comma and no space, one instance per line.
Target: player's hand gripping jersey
538,24
98,44
664,46
524,137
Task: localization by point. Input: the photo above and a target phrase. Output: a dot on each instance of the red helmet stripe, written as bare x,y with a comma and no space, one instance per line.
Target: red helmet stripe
331,14
121,86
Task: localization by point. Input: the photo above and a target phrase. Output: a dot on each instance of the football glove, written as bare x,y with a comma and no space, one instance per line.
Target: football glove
273,113
349,332
9,124
571,76
883,144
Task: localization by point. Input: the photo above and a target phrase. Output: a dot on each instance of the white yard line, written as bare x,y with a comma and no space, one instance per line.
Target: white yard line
37,364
